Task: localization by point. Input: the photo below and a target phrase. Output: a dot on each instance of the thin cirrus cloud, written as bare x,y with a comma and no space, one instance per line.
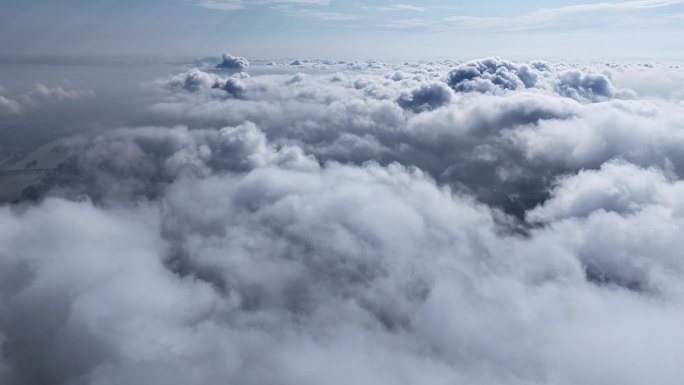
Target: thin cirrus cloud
542,17
399,7
230,5
296,8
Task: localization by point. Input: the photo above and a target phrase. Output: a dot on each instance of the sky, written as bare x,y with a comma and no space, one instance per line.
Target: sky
359,29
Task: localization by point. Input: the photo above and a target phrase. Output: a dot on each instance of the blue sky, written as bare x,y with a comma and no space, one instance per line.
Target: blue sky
345,29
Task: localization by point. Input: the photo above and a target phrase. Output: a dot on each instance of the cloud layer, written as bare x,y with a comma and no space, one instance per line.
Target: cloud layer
488,222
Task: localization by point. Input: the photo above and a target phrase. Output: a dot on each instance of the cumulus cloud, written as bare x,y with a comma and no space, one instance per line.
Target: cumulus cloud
589,86
492,73
497,75
426,97
503,146
196,80
193,80
428,223
229,61
640,208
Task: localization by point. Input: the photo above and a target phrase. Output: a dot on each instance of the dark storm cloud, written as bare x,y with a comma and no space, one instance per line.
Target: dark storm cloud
370,226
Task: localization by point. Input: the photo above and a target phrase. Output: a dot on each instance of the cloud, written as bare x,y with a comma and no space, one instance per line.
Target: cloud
605,15
494,75
229,61
409,7
432,223
491,73
503,146
591,86
305,269
426,97
399,7
635,202
194,80
331,16
41,95
9,106
297,8
546,17
231,5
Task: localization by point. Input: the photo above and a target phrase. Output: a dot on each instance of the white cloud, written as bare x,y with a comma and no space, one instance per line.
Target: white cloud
231,5
547,17
397,7
433,223
409,7
229,61
40,95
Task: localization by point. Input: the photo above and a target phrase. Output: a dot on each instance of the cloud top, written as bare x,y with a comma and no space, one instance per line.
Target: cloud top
229,61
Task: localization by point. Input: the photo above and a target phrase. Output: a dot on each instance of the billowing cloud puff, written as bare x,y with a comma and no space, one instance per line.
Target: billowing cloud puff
234,86
496,75
490,74
588,86
229,61
426,97
194,80
503,147
624,220
151,158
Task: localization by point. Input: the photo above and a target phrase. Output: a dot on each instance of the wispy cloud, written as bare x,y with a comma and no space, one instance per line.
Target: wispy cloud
297,8
409,7
323,15
540,18
231,5
397,7
221,5
549,16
